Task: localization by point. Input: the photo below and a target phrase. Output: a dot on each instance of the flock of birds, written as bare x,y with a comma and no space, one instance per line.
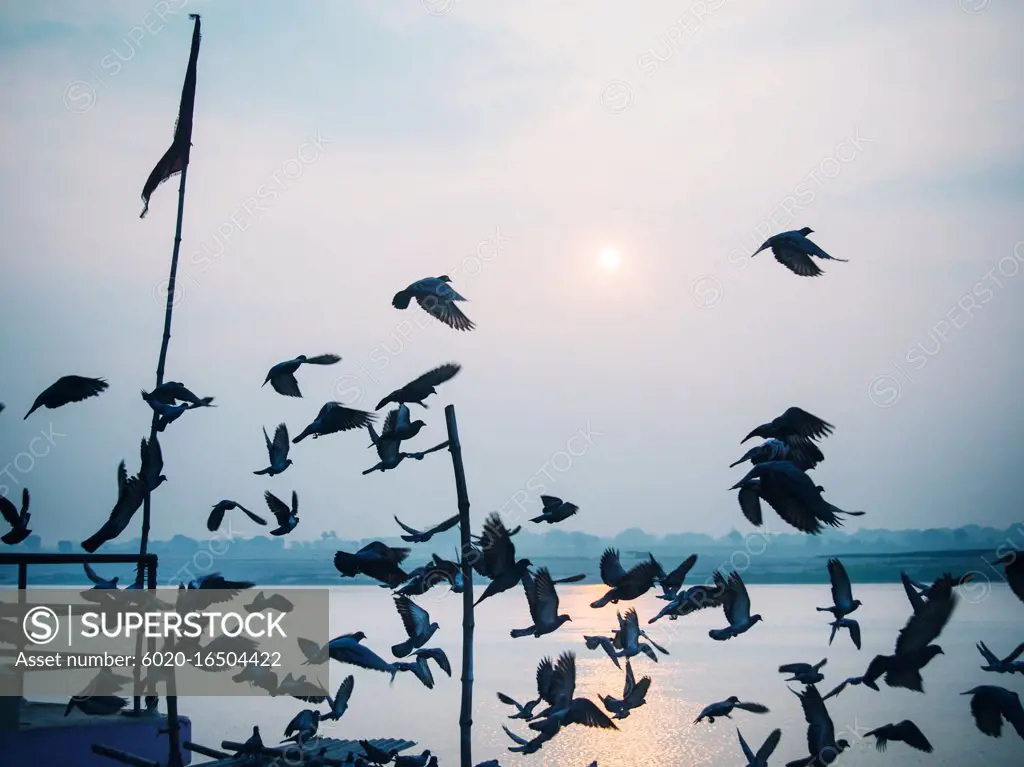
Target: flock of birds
778,476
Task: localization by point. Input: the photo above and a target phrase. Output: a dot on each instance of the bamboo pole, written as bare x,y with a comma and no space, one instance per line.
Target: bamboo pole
466,714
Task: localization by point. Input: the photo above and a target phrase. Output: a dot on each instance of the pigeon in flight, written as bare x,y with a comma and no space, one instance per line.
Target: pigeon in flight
760,759
795,422
905,731
634,695
375,560
567,708
282,375
287,518
555,510
172,392
397,426
130,495
1007,665
422,536
152,464
671,583
417,625
791,493
623,585
302,727
18,520
793,250
499,558
420,388
804,673
277,450
913,645
334,417
991,704
274,602
543,603
821,733
66,390
850,625
213,521
437,298
736,604
726,707
843,602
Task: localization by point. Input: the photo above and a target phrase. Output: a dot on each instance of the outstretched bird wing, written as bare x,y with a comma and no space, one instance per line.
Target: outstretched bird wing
842,593
927,623
415,619
612,571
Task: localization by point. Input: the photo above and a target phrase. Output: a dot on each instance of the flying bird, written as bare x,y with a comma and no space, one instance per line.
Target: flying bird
417,625
437,298
18,520
277,450
282,375
913,645
567,708
131,492
151,464
375,560
1007,665
804,673
726,707
543,603
623,585
276,602
846,623
905,731
793,250
334,417
66,390
843,602
422,387
760,759
991,704
1013,569
422,536
398,427
173,392
302,727
555,510
791,493
736,604
387,450
499,558
634,695
699,597
216,517
287,518
821,733
671,583
795,422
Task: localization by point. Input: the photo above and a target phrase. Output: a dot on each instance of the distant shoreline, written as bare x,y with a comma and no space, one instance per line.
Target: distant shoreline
763,568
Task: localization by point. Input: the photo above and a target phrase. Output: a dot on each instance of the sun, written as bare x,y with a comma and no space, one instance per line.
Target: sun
609,259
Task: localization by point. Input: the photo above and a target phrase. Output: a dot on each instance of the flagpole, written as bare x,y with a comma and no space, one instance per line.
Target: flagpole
188,102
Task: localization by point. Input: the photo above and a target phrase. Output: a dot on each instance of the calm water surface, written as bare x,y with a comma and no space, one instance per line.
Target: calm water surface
698,671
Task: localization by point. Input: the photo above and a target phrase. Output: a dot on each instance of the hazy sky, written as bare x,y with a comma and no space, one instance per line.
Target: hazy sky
678,134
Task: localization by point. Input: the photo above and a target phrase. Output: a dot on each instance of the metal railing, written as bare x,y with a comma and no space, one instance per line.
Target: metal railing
148,563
